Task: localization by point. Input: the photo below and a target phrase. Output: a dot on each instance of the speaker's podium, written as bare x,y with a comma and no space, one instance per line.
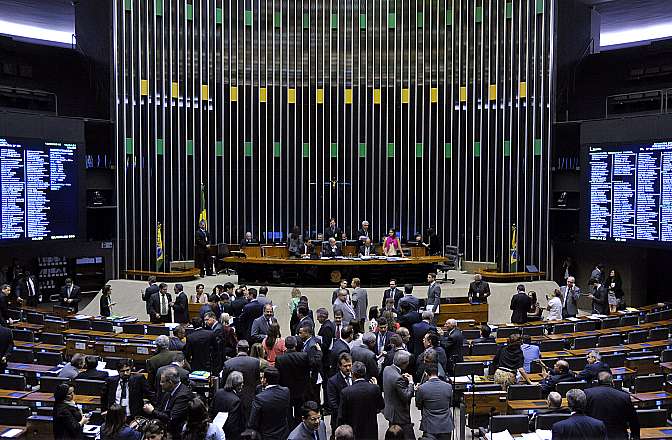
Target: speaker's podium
461,309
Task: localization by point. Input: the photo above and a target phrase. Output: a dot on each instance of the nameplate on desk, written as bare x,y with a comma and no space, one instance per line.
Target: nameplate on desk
80,345
109,348
142,350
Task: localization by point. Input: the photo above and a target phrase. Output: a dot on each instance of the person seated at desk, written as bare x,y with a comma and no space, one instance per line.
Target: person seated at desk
593,367
485,338
363,233
333,231
91,371
309,250
295,246
248,240
367,249
560,373
391,246
332,249
67,417
432,242
554,402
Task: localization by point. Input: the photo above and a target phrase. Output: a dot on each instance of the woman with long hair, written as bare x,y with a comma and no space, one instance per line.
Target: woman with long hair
198,426
615,292
273,343
115,427
509,362
392,247
257,351
68,419
534,314
106,301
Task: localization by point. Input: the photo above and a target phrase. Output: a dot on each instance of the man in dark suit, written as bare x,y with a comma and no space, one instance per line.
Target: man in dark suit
485,336
179,363
560,373
70,295
520,305
150,290
27,290
181,305
127,390
593,367
343,285
304,319
613,407
367,249
599,296
239,303
578,425
360,404
382,336
366,354
6,345
433,295
397,344
479,290
398,391
333,231
172,405
336,383
409,298
162,357
407,315
226,400
270,408
311,345
201,255
251,311
364,233
393,292
200,347
332,249
419,330
5,293
452,341
261,325
326,334
294,369
340,345
312,426
433,399
159,305
247,365
91,373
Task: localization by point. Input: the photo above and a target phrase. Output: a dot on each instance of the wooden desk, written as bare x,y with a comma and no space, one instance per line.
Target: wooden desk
601,350
49,398
32,368
649,345
490,275
647,400
182,275
477,312
555,354
666,366
524,405
274,252
13,395
655,433
485,402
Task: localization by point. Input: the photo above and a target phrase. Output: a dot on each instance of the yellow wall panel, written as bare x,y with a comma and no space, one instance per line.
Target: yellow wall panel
523,89
463,94
320,96
263,94
377,96
348,96
405,96
234,93
291,95
144,87
434,93
175,90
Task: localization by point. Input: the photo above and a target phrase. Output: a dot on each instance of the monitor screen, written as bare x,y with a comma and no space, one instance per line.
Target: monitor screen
39,190
628,193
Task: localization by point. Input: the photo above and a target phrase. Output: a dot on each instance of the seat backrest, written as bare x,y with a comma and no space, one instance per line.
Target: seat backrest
89,387
666,356
576,363
653,317
563,328
652,418
35,318
49,358
609,340
14,415
614,360
21,356
471,334
665,314
611,322
79,324
23,335
79,337
585,342
515,424
469,368
48,384
505,332
12,382
487,387
523,392
563,387
653,382
136,329
537,330
584,326
552,345
643,364
15,314
112,362
658,334
638,336
102,326
484,349
546,421
629,320
158,330
52,338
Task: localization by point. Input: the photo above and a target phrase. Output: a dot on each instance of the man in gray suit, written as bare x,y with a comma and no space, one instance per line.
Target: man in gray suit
260,325
360,301
342,304
433,295
312,426
366,354
570,296
433,399
398,390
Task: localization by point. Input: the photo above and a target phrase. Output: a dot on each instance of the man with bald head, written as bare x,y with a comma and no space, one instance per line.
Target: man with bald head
570,296
560,373
452,341
613,407
479,290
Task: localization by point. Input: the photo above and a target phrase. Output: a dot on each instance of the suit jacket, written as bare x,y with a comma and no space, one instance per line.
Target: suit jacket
237,305
92,375
259,329
157,361
23,291
452,343
155,308
243,323
181,308
433,297
335,384
138,389
398,394
337,233
301,432
184,376
360,404
368,358
330,252
409,319
590,371
294,369
614,408
579,427
600,301
326,333
418,332
339,346
105,309
372,250
305,321
548,384
348,311
75,295
411,300
229,402
270,411
360,302
383,341
249,367
433,399
397,294
4,309
520,304
147,295
6,341
570,307
202,240
362,233
200,350
66,422
172,409
479,291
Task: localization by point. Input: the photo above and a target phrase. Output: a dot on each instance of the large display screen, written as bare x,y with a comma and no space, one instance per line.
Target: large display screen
629,193
39,191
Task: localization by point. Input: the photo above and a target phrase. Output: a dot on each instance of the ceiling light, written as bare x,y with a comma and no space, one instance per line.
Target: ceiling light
37,33
636,34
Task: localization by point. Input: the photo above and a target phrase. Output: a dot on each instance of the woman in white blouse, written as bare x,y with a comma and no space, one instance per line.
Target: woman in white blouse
554,306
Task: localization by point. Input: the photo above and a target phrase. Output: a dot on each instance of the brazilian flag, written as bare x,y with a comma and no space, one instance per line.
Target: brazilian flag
203,215
513,266
159,247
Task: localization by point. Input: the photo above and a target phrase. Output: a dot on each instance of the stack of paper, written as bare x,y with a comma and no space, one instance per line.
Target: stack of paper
504,435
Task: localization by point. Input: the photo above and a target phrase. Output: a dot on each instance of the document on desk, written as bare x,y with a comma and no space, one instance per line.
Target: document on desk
544,434
11,433
504,435
220,419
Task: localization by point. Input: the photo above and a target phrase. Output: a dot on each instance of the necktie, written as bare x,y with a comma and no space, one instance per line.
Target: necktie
124,386
31,290
69,291
348,380
164,310
338,332
315,435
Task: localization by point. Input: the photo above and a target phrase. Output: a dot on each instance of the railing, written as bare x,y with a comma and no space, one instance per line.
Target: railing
649,102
